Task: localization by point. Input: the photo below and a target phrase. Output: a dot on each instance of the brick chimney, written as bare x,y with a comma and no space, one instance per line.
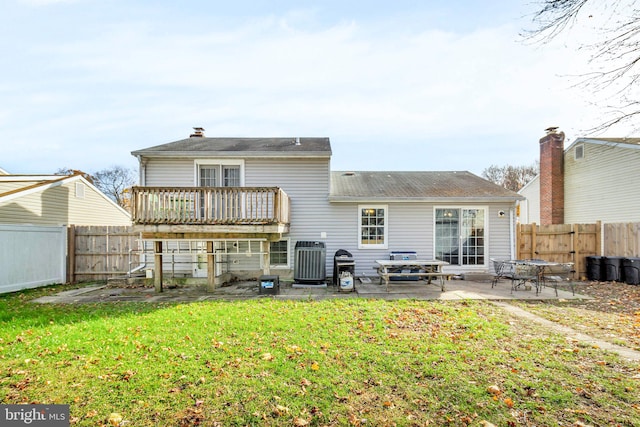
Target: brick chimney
197,133
552,177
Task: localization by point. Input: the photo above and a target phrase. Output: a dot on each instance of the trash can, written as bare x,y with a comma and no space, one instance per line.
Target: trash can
613,269
594,268
404,255
269,285
344,270
631,269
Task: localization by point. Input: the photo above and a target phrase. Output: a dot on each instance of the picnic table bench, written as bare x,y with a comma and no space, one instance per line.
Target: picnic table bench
411,268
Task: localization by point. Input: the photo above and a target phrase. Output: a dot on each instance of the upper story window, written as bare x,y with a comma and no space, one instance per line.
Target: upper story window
220,174
372,222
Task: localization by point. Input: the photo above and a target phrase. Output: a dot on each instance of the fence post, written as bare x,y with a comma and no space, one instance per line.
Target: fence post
534,238
71,254
578,264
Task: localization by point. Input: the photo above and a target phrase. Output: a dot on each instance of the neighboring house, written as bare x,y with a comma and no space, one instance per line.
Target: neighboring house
594,179
35,212
3,172
238,206
56,200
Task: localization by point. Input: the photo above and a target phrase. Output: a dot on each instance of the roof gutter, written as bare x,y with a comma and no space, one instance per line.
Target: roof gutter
362,199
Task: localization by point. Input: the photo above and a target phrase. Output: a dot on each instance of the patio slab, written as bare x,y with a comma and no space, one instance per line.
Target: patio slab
454,290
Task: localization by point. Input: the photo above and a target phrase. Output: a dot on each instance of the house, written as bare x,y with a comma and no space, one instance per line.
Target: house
227,208
593,179
56,200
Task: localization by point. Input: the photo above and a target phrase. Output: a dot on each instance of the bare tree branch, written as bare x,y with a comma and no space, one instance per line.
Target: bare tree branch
615,61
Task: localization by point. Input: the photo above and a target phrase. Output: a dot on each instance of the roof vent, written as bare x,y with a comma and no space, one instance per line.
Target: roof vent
197,133
297,141
349,174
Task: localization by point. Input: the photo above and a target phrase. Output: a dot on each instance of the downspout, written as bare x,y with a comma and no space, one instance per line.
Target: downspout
512,242
142,173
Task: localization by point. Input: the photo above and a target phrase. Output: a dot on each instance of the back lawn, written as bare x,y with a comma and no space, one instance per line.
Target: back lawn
338,362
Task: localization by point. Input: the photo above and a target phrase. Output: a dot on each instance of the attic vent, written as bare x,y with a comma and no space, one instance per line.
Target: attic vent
579,152
197,133
79,190
349,174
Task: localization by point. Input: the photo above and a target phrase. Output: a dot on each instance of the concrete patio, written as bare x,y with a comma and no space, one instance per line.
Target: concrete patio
454,290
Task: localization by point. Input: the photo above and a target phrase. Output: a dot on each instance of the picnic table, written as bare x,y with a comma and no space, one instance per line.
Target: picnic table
411,268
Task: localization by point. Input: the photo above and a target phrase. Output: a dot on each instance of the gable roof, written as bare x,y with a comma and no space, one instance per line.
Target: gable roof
245,147
450,186
15,186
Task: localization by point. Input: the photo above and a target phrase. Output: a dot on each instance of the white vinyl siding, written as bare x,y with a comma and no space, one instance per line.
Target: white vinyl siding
530,208
604,185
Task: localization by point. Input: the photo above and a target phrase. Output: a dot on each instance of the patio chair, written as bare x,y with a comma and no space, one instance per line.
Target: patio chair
524,272
502,269
558,273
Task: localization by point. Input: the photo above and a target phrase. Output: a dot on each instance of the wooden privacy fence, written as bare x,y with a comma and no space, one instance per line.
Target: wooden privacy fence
622,239
100,252
574,242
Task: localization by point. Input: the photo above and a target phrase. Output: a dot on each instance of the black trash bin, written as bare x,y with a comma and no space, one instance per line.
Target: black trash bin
631,268
613,269
594,268
344,270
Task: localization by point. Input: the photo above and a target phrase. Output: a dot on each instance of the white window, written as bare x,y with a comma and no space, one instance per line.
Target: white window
279,253
219,173
372,224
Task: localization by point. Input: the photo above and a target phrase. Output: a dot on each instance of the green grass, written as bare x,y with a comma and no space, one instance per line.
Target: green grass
318,363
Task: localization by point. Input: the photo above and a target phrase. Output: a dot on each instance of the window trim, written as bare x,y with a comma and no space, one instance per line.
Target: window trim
460,208
282,266
385,245
217,162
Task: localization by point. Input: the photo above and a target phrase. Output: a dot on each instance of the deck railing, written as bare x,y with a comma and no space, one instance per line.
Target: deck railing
210,205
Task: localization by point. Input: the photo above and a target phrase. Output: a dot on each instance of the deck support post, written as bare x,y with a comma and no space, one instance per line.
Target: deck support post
211,267
265,246
157,265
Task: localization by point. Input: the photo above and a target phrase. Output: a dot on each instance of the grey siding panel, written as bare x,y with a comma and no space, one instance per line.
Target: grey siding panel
170,172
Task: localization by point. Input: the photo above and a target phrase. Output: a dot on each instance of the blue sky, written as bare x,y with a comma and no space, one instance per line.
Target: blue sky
401,85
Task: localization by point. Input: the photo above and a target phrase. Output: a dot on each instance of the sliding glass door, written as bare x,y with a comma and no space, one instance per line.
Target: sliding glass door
459,235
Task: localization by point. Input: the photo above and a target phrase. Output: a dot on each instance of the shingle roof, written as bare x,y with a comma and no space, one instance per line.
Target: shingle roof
434,186
247,147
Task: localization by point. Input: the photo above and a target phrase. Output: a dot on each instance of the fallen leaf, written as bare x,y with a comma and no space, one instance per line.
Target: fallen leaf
114,419
494,389
300,422
267,356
